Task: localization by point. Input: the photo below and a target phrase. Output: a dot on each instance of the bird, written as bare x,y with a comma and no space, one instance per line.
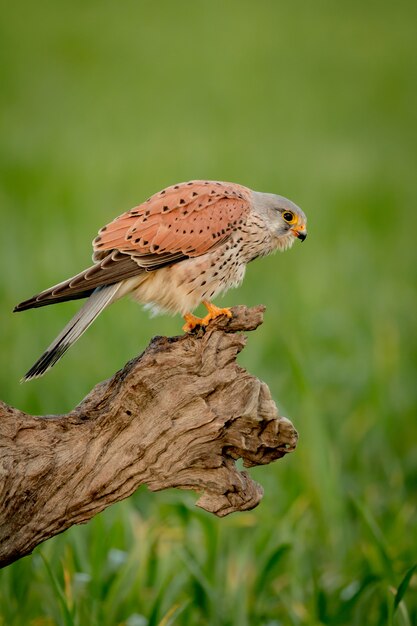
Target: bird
183,246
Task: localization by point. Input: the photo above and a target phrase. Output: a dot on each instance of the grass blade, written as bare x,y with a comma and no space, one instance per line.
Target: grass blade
170,617
403,586
68,618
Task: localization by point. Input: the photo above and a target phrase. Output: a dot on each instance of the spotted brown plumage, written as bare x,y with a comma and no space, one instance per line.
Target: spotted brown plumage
182,246
189,218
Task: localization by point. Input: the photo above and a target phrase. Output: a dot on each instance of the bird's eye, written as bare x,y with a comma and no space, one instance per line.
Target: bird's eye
288,217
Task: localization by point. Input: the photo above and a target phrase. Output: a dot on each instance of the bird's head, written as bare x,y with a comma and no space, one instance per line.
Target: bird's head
285,219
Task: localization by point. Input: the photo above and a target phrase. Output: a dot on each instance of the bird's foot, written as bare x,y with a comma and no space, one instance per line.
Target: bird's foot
191,322
214,311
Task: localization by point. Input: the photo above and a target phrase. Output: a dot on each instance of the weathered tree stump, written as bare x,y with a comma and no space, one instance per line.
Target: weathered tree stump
179,415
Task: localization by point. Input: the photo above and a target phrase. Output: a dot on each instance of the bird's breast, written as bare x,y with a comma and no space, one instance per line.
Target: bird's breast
181,287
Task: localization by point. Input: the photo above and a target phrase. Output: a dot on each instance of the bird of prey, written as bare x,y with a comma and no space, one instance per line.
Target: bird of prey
183,246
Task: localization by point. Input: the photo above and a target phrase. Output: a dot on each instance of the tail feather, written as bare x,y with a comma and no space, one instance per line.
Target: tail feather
99,299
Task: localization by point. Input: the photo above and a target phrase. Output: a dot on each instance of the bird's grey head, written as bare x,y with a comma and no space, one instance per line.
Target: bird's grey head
285,220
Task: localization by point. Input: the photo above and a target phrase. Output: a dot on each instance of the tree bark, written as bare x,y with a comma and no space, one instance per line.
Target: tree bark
179,415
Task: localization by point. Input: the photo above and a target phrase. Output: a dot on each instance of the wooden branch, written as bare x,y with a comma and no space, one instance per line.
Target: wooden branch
179,415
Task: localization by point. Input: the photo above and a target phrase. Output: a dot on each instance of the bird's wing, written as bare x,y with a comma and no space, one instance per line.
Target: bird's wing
181,221
113,268
184,220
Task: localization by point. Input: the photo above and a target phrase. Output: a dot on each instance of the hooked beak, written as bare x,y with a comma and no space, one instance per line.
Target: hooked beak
300,232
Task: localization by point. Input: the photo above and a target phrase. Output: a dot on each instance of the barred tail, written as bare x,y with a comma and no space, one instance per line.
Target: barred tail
99,299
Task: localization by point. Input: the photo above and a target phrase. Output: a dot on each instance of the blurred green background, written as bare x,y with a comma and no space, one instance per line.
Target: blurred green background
104,103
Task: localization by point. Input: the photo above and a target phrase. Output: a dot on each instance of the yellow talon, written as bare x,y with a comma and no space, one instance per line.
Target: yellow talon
214,311
191,321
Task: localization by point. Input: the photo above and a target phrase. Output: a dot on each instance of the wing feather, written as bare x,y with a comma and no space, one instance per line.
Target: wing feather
114,268
188,218
182,221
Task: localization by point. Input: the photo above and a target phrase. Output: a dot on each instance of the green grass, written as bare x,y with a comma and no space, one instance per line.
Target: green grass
105,103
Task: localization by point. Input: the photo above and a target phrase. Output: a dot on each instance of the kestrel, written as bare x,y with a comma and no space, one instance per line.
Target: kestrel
183,246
